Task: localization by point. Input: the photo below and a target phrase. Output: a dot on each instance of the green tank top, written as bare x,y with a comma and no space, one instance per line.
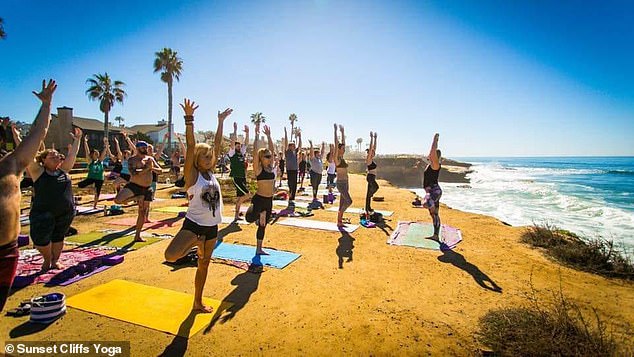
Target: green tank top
237,165
95,170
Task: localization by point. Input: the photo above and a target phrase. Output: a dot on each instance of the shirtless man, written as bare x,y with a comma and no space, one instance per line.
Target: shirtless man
11,168
138,189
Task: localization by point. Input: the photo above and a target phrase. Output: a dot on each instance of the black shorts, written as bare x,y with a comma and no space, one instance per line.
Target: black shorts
241,186
26,183
259,204
208,232
89,181
47,227
139,191
125,176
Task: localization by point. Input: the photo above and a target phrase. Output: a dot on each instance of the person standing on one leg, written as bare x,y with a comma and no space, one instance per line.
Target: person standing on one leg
430,184
291,165
141,167
12,167
204,212
302,170
95,168
332,169
371,176
316,167
238,174
262,202
281,165
345,200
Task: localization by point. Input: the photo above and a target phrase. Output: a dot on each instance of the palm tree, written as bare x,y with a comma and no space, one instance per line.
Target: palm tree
292,118
170,65
257,118
3,34
359,141
107,92
119,120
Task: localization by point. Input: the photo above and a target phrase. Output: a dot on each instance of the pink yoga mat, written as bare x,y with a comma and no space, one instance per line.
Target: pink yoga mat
130,222
107,196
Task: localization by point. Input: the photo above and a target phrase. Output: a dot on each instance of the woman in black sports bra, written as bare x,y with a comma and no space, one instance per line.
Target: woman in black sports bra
345,200
430,184
262,202
371,177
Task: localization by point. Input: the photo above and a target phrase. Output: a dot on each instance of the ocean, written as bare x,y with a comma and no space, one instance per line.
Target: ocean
590,196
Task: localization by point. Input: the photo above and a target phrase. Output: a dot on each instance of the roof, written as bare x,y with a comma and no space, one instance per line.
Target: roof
89,124
147,128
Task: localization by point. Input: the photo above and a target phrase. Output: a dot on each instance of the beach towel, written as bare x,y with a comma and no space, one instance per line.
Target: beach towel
131,222
30,263
152,307
320,225
414,234
361,211
245,253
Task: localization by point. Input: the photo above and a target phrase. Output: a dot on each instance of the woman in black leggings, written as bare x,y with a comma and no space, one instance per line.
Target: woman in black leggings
430,184
371,177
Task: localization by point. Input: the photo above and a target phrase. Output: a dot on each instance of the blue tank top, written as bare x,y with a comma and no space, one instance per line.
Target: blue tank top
124,167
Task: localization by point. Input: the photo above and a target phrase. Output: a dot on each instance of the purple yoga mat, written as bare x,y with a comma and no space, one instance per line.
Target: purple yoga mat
80,277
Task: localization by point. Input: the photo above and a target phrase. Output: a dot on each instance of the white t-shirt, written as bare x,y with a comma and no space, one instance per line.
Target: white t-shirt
205,201
332,168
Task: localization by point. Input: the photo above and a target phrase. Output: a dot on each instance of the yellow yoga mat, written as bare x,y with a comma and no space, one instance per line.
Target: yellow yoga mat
148,306
171,209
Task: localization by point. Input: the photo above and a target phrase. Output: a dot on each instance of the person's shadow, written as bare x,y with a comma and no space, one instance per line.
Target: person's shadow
345,248
245,285
457,260
179,344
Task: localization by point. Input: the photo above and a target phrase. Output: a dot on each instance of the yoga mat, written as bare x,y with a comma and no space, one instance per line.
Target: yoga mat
312,224
414,234
30,263
229,220
159,309
24,220
245,253
360,211
121,239
280,203
107,196
131,222
87,210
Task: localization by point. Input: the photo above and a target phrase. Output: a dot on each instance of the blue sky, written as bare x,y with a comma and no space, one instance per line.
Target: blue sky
494,78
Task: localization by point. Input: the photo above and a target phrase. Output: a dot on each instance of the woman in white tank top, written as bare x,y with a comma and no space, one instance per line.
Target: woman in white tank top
204,213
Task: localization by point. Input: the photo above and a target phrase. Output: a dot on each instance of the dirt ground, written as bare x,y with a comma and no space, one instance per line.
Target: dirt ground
387,300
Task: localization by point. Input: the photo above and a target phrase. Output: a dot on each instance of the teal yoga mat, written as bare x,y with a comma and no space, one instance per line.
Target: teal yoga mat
414,234
246,253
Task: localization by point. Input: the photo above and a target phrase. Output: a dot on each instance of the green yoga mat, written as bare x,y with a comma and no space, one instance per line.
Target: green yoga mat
414,234
114,239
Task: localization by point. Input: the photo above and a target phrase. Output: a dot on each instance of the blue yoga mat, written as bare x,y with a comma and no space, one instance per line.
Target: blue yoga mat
246,253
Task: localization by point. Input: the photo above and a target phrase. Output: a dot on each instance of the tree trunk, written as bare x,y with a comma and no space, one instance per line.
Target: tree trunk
169,117
105,125
293,132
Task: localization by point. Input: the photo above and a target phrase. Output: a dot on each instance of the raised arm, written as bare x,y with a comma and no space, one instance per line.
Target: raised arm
256,159
370,155
128,141
116,146
23,155
16,135
234,137
336,148
285,143
181,146
299,145
343,135
73,149
311,154
246,139
189,172
218,139
159,149
267,132
323,149
433,156
105,150
86,148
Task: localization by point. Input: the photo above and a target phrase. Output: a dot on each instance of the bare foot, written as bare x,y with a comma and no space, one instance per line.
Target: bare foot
341,224
203,309
434,237
45,268
58,266
139,239
261,252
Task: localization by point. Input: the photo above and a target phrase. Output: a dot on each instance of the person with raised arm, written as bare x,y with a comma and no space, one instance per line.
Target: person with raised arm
303,165
204,212
53,205
341,165
371,176
316,167
138,189
430,184
95,168
12,167
123,157
17,138
331,171
262,202
237,154
290,153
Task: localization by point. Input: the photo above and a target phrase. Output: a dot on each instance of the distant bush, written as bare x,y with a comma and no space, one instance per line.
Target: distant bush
557,328
598,256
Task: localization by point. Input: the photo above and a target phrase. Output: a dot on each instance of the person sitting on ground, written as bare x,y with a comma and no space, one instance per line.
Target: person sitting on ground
237,156
373,187
141,166
262,203
95,168
316,167
345,200
430,184
204,212
12,165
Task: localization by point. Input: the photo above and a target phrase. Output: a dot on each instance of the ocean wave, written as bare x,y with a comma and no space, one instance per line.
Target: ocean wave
621,172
